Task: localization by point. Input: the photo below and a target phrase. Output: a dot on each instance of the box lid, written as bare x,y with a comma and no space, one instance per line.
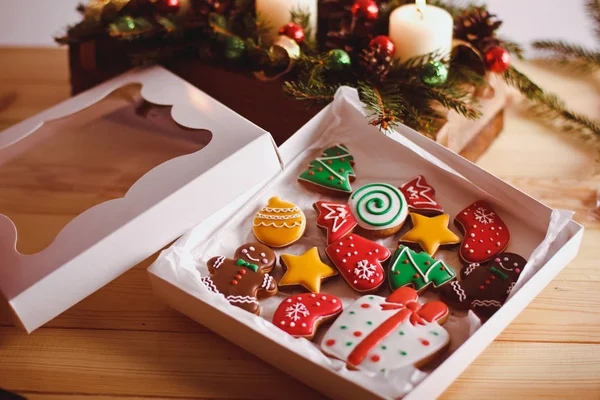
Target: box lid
109,238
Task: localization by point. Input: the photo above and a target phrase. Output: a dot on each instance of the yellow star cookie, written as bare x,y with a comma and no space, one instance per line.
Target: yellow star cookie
430,233
306,270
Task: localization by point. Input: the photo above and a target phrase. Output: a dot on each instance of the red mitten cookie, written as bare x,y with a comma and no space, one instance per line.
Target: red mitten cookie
301,314
420,196
243,279
486,235
359,260
335,218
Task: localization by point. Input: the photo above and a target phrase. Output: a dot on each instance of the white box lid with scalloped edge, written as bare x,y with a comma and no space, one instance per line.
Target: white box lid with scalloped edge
107,239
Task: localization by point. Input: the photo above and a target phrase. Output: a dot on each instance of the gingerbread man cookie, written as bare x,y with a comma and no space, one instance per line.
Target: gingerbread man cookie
379,334
243,279
331,173
300,315
420,196
484,288
419,270
306,270
486,235
359,260
335,218
279,224
380,209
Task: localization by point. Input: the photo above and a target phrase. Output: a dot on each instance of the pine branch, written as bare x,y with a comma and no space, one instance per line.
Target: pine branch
513,47
550,107
384,107
454,101
317,93
563,51
593,7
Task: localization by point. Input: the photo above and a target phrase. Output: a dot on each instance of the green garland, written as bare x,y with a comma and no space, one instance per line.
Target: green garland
234,37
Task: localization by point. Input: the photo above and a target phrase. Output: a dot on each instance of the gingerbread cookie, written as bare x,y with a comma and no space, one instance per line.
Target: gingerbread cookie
486,235
419,270
420,196
359,260
380,209
484,288
335,218
300,315
379,334
331,173
243,279
279,224
306,270
430,233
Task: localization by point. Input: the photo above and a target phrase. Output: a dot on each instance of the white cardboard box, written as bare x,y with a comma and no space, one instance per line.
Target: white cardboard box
108,239
175,277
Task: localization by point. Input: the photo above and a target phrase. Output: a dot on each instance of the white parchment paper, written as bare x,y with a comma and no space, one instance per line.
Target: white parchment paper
378,158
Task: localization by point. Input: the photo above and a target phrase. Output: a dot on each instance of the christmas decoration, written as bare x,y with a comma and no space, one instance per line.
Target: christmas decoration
293,31
367,9
351,50
332,170
497,60
435,73
383,44
234,47
338,59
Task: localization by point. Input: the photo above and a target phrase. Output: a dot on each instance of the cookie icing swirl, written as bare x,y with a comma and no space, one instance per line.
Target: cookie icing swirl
378,206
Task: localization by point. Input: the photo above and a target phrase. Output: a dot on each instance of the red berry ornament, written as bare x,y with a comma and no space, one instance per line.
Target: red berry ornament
497,59
367,9
167,6
294,31
383,43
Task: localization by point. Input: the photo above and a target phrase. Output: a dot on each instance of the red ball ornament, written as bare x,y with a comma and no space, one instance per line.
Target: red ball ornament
367,9
497,59
167,6
294,31
383,42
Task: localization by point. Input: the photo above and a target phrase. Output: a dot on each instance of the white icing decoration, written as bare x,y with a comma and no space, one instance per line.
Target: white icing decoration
378,197
242,299
219,262
273,224
512,285
250,257
337,214
280,210
484,216
486,303
266,281
278,217
421,190
458,290
296,311
471,268
364,270
210,284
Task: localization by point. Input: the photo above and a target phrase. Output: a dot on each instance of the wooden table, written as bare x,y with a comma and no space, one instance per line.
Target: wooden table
123,343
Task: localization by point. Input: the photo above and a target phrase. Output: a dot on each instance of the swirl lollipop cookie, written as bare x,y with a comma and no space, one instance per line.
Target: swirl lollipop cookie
380,209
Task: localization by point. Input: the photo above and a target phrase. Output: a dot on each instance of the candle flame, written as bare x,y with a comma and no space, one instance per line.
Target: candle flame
420,5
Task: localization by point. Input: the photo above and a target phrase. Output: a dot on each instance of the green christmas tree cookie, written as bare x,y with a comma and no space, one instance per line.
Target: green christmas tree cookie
418,270
331,173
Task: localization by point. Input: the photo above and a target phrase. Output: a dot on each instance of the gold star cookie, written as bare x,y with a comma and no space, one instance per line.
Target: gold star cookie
306,270
430,233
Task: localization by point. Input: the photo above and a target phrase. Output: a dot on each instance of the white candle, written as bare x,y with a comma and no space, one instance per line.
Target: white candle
276,13
418,29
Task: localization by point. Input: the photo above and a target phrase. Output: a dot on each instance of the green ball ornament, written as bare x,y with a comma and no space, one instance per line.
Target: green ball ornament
234,47
435,73
338,59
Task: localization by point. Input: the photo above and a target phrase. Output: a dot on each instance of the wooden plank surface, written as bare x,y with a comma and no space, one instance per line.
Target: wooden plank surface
123,343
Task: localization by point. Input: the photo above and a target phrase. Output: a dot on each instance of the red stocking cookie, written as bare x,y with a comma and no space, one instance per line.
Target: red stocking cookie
336,218
301,314
243,279
378,334
420,196
359,260
486,235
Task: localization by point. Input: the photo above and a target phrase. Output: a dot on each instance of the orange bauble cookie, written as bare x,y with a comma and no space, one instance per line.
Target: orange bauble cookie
279,224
